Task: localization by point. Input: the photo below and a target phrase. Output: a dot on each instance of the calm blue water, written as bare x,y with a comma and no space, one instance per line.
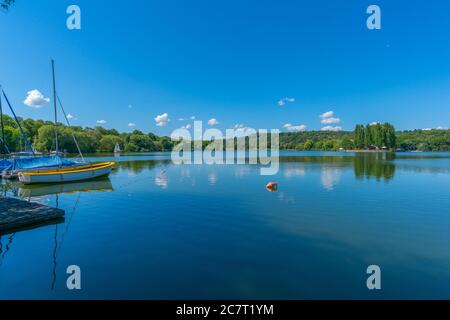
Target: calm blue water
154,230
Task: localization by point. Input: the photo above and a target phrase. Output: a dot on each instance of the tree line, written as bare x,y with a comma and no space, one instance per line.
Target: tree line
41,134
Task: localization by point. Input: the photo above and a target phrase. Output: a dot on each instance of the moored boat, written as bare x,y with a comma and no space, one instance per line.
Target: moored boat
79,173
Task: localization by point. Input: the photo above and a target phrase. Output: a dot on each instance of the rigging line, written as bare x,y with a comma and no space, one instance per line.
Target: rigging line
75,207
18,123
5,146
54,105
68,123
54,258
8,245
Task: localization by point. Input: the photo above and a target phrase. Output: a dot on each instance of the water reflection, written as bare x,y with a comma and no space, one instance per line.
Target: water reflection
377,165
212,178
161,180
330,177
33,191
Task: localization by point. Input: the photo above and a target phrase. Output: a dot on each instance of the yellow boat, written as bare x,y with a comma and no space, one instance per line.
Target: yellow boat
59,175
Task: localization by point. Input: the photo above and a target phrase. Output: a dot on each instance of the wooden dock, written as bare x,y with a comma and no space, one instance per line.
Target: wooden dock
16,215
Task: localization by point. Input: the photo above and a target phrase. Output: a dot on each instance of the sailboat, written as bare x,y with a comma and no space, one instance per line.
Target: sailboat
80,172
12,163
117,148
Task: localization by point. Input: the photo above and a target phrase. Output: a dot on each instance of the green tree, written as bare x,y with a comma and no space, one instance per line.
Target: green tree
108,143
308,145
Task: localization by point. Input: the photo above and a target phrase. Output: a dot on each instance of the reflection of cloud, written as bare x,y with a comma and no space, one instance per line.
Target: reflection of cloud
241,171
294,171
330,177
283,198
212,178
162,181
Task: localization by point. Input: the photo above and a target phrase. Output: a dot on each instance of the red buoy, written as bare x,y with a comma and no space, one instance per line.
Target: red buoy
272,186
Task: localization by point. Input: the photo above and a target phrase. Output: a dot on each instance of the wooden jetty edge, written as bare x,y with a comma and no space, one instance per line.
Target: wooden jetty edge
18,214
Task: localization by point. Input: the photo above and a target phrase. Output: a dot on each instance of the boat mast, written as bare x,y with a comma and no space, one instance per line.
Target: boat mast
3,129
17,121
54,105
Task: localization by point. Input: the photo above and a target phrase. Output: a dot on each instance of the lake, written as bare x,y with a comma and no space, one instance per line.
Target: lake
155,230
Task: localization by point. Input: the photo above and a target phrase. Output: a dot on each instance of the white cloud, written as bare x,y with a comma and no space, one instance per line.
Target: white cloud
162,120
35,99
330,120
181,119
331,128
327,114
132,125
71,117
437,128
284,101
295,128
193,118
101,121
239,126
374,123
213,122
187,127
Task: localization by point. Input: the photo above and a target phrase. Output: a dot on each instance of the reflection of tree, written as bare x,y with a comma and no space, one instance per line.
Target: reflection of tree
367,165
140,166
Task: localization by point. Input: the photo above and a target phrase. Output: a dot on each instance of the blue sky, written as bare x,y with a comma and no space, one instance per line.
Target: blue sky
233,61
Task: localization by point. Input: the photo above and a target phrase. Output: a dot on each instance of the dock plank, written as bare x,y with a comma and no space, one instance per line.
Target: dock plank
16,214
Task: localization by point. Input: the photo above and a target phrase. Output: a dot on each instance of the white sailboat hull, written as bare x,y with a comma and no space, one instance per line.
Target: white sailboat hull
64,176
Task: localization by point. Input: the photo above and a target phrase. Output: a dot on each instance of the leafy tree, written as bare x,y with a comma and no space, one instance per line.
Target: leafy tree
108,143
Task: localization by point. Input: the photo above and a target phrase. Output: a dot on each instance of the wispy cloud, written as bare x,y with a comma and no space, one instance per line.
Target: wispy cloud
132,125
327,118
331,128
295,128
284,101
213,122
35,99
162,120
327,114
193,118
330,120
101,121
187,127
437,128
71,117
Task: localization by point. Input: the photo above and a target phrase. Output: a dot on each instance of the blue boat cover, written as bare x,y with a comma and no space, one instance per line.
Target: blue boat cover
5,165
40,162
